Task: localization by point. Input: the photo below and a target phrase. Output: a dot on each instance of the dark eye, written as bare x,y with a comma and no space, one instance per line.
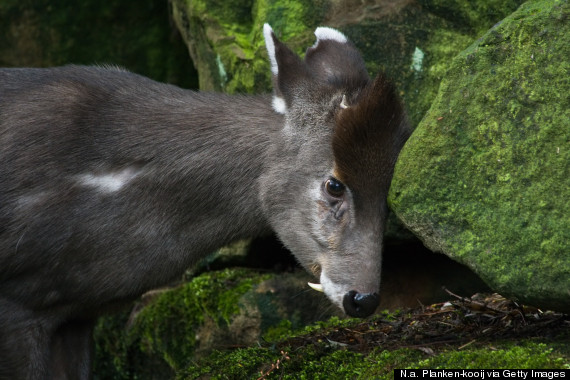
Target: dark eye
334,187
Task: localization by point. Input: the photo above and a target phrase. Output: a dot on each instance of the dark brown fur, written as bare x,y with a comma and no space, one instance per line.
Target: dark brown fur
369,132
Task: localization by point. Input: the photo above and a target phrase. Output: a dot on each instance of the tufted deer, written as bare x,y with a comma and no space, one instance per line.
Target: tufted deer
112,184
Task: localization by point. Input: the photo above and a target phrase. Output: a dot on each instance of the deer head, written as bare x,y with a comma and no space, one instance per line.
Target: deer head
324,191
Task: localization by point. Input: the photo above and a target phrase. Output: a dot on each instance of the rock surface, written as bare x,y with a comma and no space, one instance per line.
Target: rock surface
216,310
485,177
413,42
133,35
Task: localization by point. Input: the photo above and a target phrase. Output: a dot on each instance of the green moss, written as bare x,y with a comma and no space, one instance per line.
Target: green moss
285,329
229,34
324,360
164,331
475,16
111,348
391,43
282,330
168,326
252,363
134,35
388,40
528,356
312,353
323,364
482,179
237,364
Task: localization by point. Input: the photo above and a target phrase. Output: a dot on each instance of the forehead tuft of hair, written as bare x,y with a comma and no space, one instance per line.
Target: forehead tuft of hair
368,137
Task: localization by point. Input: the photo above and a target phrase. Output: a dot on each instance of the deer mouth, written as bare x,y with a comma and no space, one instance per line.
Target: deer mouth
352,302
316,270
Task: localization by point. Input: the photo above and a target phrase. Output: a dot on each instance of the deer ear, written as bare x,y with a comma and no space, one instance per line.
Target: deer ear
288,71
334,60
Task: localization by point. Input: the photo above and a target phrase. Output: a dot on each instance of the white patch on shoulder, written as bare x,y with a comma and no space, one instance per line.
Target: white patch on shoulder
325,33
30,200
111,181
270,45
279,105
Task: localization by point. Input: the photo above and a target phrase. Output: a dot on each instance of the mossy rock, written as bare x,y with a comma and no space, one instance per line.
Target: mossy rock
225,38
412,43
135,35
471,16
218,309
484,178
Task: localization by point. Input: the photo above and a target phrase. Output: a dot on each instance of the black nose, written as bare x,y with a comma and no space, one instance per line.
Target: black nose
360,305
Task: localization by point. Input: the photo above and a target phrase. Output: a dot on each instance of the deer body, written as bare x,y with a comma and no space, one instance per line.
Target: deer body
112,184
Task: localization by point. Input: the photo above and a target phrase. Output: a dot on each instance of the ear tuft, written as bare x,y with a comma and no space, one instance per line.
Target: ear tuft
325,33
270,45
368,137
290,74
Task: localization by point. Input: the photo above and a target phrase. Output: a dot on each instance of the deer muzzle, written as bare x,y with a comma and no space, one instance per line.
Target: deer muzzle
360,304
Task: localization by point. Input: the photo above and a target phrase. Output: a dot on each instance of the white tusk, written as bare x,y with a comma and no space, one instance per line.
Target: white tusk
317,287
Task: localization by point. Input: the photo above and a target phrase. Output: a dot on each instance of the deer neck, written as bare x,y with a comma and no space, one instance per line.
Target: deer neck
217,168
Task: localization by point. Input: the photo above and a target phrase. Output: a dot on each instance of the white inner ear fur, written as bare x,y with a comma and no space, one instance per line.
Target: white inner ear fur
325,33
270,45
279,105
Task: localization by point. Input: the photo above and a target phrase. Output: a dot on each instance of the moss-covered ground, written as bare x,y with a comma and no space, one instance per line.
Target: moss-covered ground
481,332
333,363
478,333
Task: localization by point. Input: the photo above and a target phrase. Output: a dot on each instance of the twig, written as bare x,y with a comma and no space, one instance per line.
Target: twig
476,303
466,344
275,365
